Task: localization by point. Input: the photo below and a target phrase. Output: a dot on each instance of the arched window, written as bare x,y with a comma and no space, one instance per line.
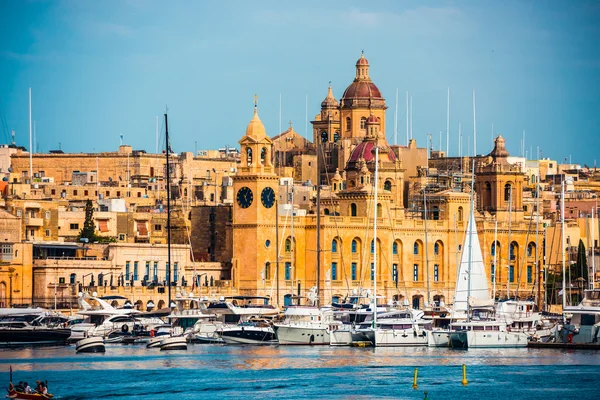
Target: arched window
336,136
348,123
436,249
326,211
324,137
263,155
416,248
532,178
334,246
379,210
353,210
531,249
395,248
514,249
372,247
354,246
387,186
507,192
363,123
267,270
495,247
487,195
460,214
248,155
288,245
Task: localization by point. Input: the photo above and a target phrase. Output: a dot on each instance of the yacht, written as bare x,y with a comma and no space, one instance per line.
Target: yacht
483,330
401,328
246,320
526,319
17,329
304,325
249,331
583,320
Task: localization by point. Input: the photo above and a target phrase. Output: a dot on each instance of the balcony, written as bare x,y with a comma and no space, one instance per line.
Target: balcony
30,221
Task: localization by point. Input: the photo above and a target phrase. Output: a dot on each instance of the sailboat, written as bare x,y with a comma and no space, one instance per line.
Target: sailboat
471,298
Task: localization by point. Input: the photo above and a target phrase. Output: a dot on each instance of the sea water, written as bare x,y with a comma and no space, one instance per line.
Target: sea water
295,372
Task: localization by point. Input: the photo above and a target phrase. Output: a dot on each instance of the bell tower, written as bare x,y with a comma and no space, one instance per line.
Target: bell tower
255,188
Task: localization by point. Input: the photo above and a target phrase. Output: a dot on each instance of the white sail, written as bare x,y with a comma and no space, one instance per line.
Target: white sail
479,287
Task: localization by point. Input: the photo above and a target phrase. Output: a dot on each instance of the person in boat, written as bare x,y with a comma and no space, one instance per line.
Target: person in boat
28,388
40,388
20,387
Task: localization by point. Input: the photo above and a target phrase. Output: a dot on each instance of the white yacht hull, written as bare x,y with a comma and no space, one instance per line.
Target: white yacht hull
340,337
173,343
399,337
90,345
496,339
438,338
299,335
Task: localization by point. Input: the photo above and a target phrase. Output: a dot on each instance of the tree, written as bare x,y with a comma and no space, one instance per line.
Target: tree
581,266
89,231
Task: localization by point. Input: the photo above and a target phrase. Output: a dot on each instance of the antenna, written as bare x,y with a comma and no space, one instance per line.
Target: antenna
407,118
396,120
474,128
447,125
30,144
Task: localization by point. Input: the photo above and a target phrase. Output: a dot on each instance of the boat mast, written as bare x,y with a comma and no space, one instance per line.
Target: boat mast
470,233
495,260
537,238
277,246
426,244
592,282
168,211
319,218
509,245
375,236
562,243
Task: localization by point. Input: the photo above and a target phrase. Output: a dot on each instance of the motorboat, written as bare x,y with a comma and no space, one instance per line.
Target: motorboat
340,334
253,331
18,329
401,328
94,344
583,320
307,325
173,343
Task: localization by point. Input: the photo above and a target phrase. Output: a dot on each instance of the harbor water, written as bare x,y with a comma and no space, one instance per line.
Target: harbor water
266,372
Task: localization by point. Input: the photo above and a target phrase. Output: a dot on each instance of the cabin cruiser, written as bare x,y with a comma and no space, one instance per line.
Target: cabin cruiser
583,320
105,320
525,319
251,325
192,318
18,329
483,330
401,328
304,325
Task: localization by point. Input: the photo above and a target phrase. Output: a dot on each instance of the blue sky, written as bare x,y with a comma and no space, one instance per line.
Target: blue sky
101,69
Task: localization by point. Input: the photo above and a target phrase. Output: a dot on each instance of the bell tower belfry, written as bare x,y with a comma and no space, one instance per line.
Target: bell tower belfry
255,188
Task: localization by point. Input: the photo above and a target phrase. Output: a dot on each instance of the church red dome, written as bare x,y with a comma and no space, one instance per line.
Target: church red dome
362,89
365,151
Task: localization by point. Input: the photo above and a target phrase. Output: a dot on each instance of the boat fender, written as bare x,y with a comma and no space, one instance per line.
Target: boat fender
125,328
152,333
570,338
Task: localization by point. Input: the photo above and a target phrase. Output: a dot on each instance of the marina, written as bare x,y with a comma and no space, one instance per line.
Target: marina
289,372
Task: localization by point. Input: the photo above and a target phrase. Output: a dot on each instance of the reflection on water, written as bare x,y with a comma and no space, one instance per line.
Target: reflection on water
299,372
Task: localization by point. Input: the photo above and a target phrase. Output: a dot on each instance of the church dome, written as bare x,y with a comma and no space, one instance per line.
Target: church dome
330,101
256,129
362,92
365,151
362,60
362,89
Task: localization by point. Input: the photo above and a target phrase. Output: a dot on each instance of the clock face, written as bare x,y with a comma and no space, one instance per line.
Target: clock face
267,197
245,197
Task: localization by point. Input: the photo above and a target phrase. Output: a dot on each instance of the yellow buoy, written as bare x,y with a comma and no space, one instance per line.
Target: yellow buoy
415,386
464,379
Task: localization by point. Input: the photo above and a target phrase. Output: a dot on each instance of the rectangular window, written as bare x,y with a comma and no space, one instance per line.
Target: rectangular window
372,271
155,272
47,232
73,226
157,227
436,273
493,272
121,236
147,275
395,273
167,274
53,192
512,273
47,214
416,272
334,271
127,270
85,192
74,192
353,271
175,272
135,270
529,274
288,271
19,213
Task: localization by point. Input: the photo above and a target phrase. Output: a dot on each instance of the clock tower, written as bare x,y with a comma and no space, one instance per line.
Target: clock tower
255,189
